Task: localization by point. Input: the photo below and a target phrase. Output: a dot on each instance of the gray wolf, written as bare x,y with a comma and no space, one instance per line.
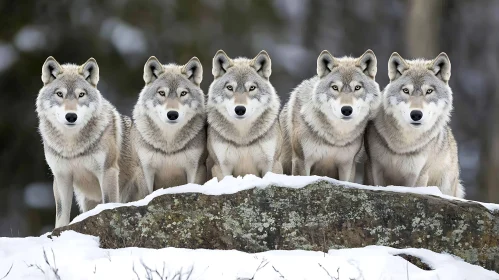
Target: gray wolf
86,141
325,118
410,142
243,131
170,124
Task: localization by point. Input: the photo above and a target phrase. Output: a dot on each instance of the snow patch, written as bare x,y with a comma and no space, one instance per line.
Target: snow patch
76,256
231,185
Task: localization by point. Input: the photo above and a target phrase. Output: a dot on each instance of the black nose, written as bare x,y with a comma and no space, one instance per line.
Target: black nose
172,115
240,110
346,110
71,117
416,115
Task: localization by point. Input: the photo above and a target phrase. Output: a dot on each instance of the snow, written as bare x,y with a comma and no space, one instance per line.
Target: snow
231,185
77,256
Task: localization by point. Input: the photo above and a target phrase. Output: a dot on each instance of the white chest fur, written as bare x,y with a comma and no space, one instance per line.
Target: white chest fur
252,159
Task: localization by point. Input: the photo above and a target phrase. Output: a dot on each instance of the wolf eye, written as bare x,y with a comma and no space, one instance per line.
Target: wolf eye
335,87
81,94
183,93
405,90
358,87
229,87
161,92
59,93
429,91
252,88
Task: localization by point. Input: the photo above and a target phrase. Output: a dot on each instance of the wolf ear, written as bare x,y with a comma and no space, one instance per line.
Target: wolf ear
441,67
368,63
221,63
152,69
325,63
262,64
50,70
193,70
90,71
396,66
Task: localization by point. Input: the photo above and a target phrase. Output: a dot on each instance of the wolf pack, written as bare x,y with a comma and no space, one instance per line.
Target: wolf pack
178,134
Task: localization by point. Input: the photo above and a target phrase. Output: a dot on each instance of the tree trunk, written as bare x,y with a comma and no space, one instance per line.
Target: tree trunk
489,171
423,28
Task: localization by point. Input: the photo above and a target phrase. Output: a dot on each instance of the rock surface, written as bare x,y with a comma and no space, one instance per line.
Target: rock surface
318,217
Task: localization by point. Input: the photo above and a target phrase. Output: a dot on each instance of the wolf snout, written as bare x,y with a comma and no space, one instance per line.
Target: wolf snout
346,111
416,115
172,115
240,110
71,117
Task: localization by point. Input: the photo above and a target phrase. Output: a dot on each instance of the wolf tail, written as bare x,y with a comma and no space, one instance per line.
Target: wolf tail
459,191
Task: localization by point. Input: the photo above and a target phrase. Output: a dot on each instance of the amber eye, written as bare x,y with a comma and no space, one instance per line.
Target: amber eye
183,93
229,87
81,94
429,91
406,91
358,87
335,87
161,92
252,88
59,93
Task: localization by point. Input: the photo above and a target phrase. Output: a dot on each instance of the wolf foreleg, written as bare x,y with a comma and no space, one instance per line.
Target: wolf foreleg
63,194
196,175
110,185
299,167
422,180
377,174
346,171
216,171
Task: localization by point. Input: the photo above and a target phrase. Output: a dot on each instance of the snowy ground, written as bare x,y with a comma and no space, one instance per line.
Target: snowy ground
77,256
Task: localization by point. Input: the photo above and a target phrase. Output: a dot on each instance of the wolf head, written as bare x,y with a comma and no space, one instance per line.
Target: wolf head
418,95
346,90
241,90
69,96
172,94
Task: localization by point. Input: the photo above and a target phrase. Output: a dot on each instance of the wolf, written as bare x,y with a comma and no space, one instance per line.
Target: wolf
243,130
170,124
324,120
86,141
410,143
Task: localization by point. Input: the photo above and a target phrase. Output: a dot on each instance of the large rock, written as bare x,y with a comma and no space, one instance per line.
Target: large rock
319,216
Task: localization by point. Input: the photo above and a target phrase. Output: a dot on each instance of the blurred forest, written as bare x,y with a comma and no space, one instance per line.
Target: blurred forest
122,34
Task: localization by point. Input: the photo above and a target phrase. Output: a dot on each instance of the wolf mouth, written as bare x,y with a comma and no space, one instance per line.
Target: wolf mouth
416,123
